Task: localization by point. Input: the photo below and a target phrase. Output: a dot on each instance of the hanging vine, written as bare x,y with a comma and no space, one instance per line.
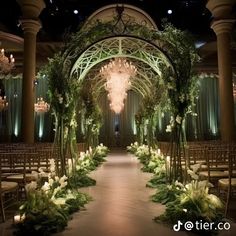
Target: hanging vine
92,118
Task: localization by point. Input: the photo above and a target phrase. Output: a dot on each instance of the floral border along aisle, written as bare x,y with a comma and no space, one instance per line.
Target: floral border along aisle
51,200
185,202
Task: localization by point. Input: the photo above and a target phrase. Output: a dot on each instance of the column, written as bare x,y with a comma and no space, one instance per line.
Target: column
30,25
222,25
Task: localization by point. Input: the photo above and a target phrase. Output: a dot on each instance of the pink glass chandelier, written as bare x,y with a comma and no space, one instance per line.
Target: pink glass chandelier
117,74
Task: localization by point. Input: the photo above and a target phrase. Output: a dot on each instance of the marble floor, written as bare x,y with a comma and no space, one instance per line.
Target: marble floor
121,205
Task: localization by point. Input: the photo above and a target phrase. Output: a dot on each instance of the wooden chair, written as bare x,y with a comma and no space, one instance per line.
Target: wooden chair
22,166
227,186
8,195
217,163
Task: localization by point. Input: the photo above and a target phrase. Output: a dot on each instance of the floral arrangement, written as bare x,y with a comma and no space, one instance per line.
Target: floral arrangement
84,164
156,163
133,147
189,202
143,153
48,204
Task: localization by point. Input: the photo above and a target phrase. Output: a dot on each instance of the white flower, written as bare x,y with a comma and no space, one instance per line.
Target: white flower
192,174
215,201
168,128
45,187
205,184
59,201
52,165
82,156
195,167
179,184
182,98
169,186
178,119
70,165
22,217
62,181
50,181
56,178
185,210
55,191
73,123
70,196
31,186
63,185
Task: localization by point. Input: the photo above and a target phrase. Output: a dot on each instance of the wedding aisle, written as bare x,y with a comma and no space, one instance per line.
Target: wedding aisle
121,205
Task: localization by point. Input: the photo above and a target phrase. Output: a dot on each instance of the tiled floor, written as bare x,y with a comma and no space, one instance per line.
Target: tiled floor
121,205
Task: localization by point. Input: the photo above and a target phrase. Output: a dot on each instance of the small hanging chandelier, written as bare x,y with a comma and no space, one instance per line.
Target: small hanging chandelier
3,103
41,106
117,74
6,64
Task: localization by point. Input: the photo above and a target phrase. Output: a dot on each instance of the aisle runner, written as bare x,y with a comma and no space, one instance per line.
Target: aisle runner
121,205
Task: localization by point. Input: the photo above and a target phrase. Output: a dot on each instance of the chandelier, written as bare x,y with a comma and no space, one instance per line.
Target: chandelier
41,106
3,103
117,74
6,64
234,90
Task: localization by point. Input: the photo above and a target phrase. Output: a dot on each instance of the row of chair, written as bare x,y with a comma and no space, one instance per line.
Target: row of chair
19,164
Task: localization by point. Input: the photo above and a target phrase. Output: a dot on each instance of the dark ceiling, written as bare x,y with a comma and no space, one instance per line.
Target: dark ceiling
58,17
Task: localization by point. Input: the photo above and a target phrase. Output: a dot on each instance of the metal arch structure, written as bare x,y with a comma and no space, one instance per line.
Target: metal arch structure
120,46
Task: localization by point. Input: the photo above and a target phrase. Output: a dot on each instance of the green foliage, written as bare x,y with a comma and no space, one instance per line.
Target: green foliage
84,164
79,181
133,147
47,208
167,193
157,180
92,117
189,202
49,204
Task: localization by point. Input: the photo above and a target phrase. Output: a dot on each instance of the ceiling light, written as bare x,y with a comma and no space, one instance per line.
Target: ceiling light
41,106
117,74
6,64
199,44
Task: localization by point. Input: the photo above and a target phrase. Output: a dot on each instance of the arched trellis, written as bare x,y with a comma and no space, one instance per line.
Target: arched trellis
120,46
170,54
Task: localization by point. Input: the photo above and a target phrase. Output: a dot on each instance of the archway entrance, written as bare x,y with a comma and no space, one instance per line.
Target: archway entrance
163,60
148,58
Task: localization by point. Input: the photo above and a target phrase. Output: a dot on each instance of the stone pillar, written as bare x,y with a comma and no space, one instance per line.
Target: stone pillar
30,25
222,25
